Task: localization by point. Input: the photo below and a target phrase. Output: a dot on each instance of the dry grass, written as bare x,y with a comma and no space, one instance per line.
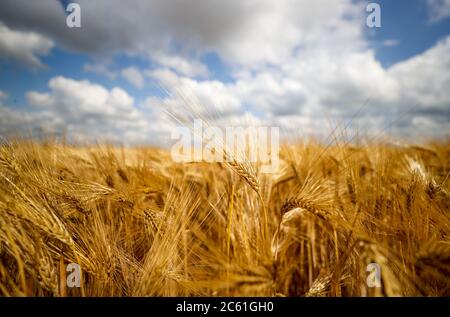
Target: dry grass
139,224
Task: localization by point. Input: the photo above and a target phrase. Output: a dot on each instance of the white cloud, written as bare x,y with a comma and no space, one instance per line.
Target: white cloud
317,86
13,121
425,79
210,98
134,76
81,98
390,42
24,46
184,66
3,95
100,69
439,9
244,33
87,111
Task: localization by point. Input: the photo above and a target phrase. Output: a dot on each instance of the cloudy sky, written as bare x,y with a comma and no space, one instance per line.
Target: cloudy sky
302,65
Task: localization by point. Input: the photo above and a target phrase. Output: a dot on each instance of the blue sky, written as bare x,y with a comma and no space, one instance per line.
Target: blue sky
291,64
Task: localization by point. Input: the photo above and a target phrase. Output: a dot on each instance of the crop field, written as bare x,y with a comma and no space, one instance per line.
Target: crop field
370,219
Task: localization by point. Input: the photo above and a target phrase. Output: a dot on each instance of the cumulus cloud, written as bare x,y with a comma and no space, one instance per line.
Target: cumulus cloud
210,98
439,9
86,111
425,78
14,121
3,95
184,66
23,46
100,69
390,42
248,32
134,76
316,87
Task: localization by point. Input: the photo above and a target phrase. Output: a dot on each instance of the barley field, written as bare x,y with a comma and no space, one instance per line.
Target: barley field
139,224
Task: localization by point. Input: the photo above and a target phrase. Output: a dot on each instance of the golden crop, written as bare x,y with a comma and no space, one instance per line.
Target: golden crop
139,224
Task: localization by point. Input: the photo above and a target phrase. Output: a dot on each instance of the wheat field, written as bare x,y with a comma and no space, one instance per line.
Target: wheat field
139,224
